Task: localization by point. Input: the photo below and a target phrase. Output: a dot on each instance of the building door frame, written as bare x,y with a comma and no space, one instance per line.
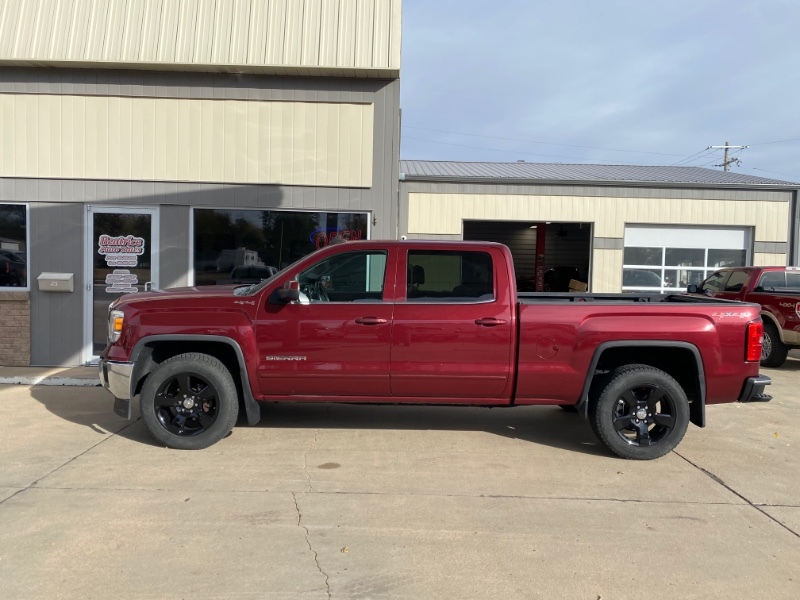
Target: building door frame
91,249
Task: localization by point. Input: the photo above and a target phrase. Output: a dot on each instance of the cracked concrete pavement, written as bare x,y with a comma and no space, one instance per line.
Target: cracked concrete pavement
333,501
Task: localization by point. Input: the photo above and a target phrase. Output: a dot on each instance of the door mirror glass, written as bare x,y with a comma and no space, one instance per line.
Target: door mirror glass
290,292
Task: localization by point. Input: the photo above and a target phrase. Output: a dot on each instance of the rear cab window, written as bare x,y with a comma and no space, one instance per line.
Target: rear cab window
449,276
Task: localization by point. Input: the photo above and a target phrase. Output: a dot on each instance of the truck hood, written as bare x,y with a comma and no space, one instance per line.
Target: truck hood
213,294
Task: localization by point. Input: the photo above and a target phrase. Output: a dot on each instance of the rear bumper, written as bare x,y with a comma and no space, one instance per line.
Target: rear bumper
754,389
116,378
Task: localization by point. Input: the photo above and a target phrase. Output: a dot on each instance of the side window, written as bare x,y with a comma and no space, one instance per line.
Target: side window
716,282
347,277
449,276
793,280
772,280
13,246
736,282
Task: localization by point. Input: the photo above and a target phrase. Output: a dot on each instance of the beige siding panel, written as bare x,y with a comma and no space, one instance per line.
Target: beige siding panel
237,141
764,259
609,215
346,49
328,33
257,36
365,24
307,34
7,149
606,271
312,23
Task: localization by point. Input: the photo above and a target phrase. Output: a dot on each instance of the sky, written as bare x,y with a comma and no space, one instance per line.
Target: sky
634,82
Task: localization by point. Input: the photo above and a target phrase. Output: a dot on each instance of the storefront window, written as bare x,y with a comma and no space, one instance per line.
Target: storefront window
246,246
13,246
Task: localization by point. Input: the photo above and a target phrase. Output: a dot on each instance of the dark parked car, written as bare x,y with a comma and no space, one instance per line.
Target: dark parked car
248,274
13,270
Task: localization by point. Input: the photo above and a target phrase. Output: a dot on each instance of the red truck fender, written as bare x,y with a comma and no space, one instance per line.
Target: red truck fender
144,364
697,409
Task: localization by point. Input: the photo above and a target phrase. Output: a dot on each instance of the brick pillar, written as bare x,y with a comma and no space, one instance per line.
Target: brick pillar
15,329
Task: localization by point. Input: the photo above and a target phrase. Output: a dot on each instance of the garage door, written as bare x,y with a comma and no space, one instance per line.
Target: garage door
668,259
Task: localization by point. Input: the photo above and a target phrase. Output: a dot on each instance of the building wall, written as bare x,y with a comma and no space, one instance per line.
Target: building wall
317,37
58,204
69,136
15,329
438,209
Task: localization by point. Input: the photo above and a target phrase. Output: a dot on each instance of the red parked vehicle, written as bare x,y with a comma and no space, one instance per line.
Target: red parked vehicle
428,323
777,290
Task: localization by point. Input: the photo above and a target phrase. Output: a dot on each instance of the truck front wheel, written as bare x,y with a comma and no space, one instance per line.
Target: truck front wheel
639,412
190,402
773,350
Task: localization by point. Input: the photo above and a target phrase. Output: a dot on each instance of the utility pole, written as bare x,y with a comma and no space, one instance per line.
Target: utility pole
727,162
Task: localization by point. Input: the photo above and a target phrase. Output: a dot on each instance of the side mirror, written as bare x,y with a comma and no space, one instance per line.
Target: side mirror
290,292
692,288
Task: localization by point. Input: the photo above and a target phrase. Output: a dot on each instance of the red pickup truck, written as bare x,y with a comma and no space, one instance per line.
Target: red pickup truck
777,290
428,323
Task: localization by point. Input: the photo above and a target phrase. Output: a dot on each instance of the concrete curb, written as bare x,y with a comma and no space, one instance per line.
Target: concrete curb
44,380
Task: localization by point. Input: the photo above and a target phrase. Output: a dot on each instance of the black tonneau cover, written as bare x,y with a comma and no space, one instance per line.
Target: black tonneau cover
534,297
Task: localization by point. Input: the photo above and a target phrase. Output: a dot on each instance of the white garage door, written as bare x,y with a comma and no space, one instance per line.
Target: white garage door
665,259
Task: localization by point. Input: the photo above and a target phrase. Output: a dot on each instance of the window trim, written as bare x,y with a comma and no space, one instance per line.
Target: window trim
27,286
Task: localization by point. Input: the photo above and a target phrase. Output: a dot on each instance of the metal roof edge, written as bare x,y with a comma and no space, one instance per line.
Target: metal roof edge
788,186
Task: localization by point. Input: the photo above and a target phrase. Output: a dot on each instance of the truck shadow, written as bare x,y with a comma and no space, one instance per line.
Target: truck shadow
547,425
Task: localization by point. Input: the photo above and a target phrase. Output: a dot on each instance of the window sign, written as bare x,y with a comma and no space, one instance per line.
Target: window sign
121,251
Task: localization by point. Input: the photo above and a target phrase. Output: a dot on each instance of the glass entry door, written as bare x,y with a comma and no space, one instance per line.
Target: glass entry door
122,258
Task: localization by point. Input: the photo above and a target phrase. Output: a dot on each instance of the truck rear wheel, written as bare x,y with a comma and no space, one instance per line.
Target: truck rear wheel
190,402
639,412
773,350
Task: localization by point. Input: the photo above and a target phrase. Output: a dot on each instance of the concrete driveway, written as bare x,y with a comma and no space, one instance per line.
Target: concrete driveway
328,501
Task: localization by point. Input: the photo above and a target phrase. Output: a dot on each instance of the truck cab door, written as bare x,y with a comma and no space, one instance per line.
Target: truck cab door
334,341
453,333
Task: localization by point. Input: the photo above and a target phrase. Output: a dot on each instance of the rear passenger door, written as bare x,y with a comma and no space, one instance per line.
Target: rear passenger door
452,333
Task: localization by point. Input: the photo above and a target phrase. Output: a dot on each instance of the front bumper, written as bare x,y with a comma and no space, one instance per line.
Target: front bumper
116,377
753,390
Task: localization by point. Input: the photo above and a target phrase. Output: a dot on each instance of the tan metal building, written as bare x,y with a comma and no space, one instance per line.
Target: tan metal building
616,228
158,143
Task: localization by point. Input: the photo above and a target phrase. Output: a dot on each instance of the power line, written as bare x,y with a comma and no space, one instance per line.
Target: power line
776,142
492,137
706,152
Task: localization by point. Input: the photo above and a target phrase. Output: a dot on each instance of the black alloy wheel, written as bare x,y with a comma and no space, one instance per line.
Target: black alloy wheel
639,412
186,404
190,401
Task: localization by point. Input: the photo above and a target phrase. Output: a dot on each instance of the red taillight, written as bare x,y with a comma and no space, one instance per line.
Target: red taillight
755,334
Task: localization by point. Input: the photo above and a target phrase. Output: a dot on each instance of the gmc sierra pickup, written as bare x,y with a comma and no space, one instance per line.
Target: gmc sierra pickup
428,323
777,290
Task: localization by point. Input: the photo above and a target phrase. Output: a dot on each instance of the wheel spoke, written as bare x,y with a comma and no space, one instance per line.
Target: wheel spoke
664,419
162,400
654,397
207,393
183,382
622,422
630,399
205,419
177,423
642,434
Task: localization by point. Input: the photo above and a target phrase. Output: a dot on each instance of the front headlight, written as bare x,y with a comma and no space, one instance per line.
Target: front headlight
115,319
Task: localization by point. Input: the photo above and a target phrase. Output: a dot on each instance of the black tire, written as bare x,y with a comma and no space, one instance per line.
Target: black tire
190,402
639,412
773,350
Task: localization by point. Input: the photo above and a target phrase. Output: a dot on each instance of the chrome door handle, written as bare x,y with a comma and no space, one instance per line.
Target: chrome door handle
370,321
489,322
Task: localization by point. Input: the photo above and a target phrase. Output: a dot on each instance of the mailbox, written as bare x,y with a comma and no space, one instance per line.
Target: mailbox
55,282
